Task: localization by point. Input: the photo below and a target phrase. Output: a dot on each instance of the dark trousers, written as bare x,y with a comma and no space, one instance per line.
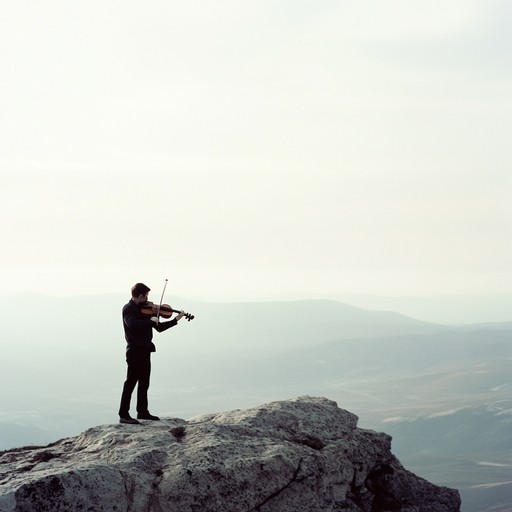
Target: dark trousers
139,370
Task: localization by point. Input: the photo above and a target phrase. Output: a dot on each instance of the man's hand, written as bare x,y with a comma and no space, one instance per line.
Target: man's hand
154,319
181,314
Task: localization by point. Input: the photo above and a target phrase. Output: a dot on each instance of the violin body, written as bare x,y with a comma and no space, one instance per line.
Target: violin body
164,310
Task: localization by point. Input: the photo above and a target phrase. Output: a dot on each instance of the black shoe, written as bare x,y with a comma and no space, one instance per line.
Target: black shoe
129,420
147,416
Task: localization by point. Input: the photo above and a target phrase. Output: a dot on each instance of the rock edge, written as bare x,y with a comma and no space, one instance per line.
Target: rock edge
305,454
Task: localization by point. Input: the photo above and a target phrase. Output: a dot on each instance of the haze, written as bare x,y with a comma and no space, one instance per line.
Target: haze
256,150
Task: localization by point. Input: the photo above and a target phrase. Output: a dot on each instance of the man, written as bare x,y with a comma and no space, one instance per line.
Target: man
138,330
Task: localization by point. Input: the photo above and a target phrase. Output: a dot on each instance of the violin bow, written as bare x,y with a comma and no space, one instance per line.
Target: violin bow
160,305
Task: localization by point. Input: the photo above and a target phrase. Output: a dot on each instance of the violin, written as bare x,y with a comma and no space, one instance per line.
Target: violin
164,310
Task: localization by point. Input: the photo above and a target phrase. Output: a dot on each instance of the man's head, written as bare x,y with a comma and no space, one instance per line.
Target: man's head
140,292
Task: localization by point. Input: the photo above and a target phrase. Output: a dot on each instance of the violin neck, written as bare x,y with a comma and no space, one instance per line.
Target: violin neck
167,309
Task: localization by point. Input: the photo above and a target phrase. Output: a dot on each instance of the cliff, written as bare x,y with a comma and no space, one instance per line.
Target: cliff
300,455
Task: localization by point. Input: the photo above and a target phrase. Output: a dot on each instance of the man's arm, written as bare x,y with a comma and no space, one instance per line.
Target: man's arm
163,326
134,321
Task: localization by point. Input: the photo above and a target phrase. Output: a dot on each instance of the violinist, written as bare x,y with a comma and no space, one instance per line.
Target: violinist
138,329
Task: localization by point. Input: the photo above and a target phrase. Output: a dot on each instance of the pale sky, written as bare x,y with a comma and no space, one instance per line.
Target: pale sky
256,149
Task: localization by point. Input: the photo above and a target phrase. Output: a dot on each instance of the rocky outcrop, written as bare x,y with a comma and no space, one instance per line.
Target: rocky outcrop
299,455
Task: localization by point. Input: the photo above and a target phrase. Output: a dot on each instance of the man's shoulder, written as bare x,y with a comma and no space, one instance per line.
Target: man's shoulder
130,305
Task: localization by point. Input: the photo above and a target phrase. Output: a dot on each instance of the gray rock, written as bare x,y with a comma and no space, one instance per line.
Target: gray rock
298,455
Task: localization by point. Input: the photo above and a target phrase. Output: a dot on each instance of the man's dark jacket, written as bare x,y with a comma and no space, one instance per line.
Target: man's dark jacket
138,328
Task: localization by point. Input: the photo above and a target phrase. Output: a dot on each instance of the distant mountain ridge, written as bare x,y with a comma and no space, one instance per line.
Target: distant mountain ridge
237,327
449,309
